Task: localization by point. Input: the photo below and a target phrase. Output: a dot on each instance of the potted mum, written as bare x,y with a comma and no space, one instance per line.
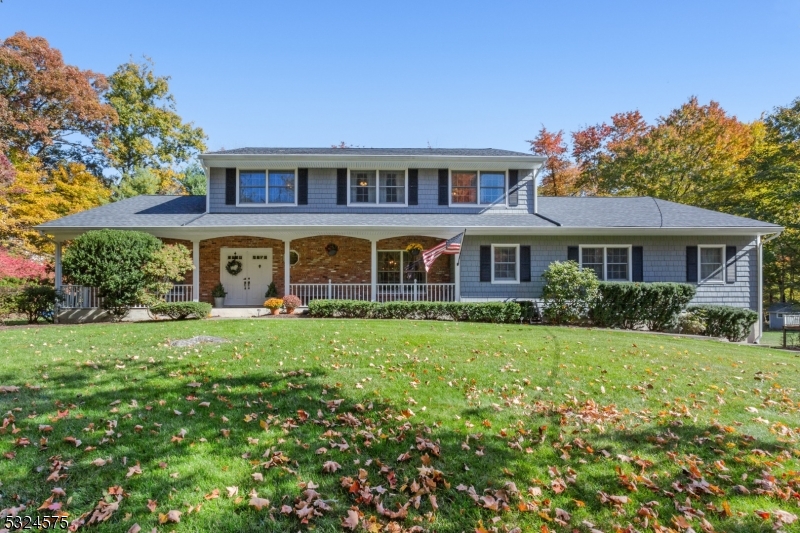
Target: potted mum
414,249
218,293
274,305
291,302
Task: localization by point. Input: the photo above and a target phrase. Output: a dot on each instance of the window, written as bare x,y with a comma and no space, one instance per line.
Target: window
780,315
505,263
294,258
252,187
397,266
467,188
281,187
610,263
384,187
260,187
711,264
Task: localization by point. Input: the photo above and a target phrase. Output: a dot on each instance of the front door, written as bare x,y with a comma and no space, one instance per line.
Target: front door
248,286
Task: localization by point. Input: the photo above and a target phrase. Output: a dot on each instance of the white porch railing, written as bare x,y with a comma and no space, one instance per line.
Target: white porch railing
386,292
81,297
330,291
791,321
416,292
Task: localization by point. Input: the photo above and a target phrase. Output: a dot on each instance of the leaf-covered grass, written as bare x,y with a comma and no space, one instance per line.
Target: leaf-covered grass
439,426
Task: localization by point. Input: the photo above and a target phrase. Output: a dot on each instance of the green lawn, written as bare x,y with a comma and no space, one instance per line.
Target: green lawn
549,429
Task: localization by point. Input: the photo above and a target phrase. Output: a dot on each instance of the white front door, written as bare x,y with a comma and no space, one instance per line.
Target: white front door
248,286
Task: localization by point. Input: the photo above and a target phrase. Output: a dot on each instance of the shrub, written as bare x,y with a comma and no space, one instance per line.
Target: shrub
690,323
290,301
733,323
182,310
38,301
272,291
498,312
112,261
10,289
568,292
273,303
166,267
631,305
218,291
17,267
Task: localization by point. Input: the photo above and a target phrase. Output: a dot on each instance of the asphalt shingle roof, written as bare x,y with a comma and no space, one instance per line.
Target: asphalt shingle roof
480,152
566,212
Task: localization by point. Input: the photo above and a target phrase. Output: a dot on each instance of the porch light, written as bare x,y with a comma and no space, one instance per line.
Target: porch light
362,183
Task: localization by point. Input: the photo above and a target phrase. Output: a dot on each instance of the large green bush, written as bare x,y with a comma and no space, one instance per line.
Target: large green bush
166,267
632,305
497,312
733,323
38,301
569,292
112,261
182,310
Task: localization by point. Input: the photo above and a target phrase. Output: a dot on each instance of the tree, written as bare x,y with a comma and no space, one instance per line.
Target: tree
560,174
112,261
149,132
166,267
49,109
39,195
194,180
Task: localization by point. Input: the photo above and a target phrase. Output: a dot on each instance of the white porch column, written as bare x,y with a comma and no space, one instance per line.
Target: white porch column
196,271
58,273
458,277
287,279
373,272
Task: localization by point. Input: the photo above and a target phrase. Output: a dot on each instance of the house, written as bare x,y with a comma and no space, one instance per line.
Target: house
335,222
777,311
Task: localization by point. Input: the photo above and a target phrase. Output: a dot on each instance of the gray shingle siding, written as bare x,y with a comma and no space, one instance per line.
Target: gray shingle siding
664,260
322,196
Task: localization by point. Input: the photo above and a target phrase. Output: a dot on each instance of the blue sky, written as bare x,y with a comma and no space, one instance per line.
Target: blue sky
448,74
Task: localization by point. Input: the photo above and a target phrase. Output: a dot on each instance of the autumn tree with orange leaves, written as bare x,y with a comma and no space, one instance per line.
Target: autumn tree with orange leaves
559,174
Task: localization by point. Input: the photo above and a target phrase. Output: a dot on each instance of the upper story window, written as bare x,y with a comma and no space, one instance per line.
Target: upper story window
610,263
711,264
260,187
378,187
477,188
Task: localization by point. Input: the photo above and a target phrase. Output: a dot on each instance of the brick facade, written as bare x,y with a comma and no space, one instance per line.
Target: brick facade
209,261
351,264
440,271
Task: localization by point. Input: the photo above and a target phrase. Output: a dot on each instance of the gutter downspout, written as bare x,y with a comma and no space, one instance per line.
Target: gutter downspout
761,243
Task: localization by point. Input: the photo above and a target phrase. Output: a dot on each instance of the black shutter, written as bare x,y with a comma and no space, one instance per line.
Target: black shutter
513,194
230,186
443,179
691,264
413,186
730,262
572,254
302,186
341,186
638,263
525,263
486,263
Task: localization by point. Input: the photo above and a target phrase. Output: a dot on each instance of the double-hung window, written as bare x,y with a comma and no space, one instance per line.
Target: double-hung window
610,263
712,263
505,263
378,187
398,267
477,188
262,187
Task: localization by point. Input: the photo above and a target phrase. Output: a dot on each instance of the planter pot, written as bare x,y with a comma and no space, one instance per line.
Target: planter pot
219,301
276,311
290,310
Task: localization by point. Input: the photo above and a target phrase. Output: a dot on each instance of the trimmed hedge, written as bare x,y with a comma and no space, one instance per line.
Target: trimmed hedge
496,312
182,310
733,323
632,305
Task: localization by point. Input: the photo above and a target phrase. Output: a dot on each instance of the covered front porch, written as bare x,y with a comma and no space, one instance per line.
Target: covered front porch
365,267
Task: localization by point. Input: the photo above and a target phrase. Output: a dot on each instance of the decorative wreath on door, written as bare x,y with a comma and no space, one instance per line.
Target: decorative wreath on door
234,267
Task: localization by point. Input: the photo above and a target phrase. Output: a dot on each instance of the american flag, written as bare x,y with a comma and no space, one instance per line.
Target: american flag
448,247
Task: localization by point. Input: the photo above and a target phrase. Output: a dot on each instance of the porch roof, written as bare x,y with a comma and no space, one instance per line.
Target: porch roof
556,215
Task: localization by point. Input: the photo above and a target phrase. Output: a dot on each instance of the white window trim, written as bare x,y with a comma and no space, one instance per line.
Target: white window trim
724,267
605,248
504,202
377,202
506,281
402,270
266,203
